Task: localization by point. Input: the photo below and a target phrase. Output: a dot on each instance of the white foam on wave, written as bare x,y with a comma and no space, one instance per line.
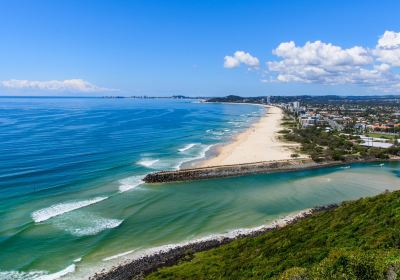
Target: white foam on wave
147,162
187,147
84,224
132,255
217,133
118,255
130,183
61,208
98,226
202,153
59,274
36,274
17,275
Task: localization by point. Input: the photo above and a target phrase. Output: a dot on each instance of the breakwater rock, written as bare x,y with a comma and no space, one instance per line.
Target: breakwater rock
250,168
235,170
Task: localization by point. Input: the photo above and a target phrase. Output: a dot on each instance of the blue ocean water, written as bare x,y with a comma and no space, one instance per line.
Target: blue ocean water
71,197
54,150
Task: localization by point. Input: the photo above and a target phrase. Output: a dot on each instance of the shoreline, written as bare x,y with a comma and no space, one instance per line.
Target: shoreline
257,143
152,259
149,260
214,149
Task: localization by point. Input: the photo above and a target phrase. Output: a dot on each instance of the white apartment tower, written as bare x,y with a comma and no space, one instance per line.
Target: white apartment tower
296,104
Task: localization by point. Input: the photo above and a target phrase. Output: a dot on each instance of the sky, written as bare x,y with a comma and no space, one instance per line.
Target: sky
199,48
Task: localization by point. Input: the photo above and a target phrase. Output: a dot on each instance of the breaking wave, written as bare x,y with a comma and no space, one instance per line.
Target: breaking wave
83,224
61,208
147,162
130,183
36,274
187,147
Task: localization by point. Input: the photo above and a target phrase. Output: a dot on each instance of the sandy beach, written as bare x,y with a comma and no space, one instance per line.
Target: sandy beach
260,142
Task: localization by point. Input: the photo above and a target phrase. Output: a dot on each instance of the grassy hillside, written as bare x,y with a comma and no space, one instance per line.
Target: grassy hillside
358,240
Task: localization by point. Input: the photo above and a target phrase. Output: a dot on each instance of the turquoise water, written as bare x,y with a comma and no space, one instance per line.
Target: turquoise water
71,197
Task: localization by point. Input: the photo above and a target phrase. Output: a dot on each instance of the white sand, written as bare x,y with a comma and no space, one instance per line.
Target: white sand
258,143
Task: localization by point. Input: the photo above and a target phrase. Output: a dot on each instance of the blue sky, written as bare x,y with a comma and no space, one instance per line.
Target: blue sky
77,47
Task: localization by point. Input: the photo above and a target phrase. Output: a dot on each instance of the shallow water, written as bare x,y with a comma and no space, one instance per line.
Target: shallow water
72,199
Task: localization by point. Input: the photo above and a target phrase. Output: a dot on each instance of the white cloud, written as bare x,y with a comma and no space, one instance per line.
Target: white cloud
231,62
72,85
389,40
317,62
325,63
388,48
241,57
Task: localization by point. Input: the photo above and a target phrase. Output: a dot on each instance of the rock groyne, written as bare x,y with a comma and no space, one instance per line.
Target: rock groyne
250,168
235,170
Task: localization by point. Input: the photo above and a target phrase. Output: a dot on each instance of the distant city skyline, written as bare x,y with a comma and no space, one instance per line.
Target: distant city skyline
199,48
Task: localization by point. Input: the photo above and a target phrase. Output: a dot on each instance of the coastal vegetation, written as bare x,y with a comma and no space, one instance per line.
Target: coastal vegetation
323,145
357,240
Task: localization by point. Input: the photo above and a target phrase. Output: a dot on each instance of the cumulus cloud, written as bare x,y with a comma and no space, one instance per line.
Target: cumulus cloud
388,48
72,85
389,40
241,57
325,63
317,62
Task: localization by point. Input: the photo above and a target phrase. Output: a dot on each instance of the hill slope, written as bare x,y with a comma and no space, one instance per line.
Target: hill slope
358,240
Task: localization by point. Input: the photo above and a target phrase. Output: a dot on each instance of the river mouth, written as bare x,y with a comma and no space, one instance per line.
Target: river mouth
217,207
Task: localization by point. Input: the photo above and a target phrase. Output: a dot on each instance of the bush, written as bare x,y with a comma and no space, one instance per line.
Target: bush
359,240
321,145
294,273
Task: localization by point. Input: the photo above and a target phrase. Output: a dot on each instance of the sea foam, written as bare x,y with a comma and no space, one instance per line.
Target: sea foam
130,183
132,255
187,147
118,255
95,227
36,274
59,274
61,208
82,224
17,275
201,154
147,162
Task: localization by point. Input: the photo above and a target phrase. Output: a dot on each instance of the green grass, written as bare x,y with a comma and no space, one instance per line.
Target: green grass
380,135
358,240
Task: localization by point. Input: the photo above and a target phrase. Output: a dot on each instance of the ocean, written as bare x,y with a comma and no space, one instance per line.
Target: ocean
72,200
